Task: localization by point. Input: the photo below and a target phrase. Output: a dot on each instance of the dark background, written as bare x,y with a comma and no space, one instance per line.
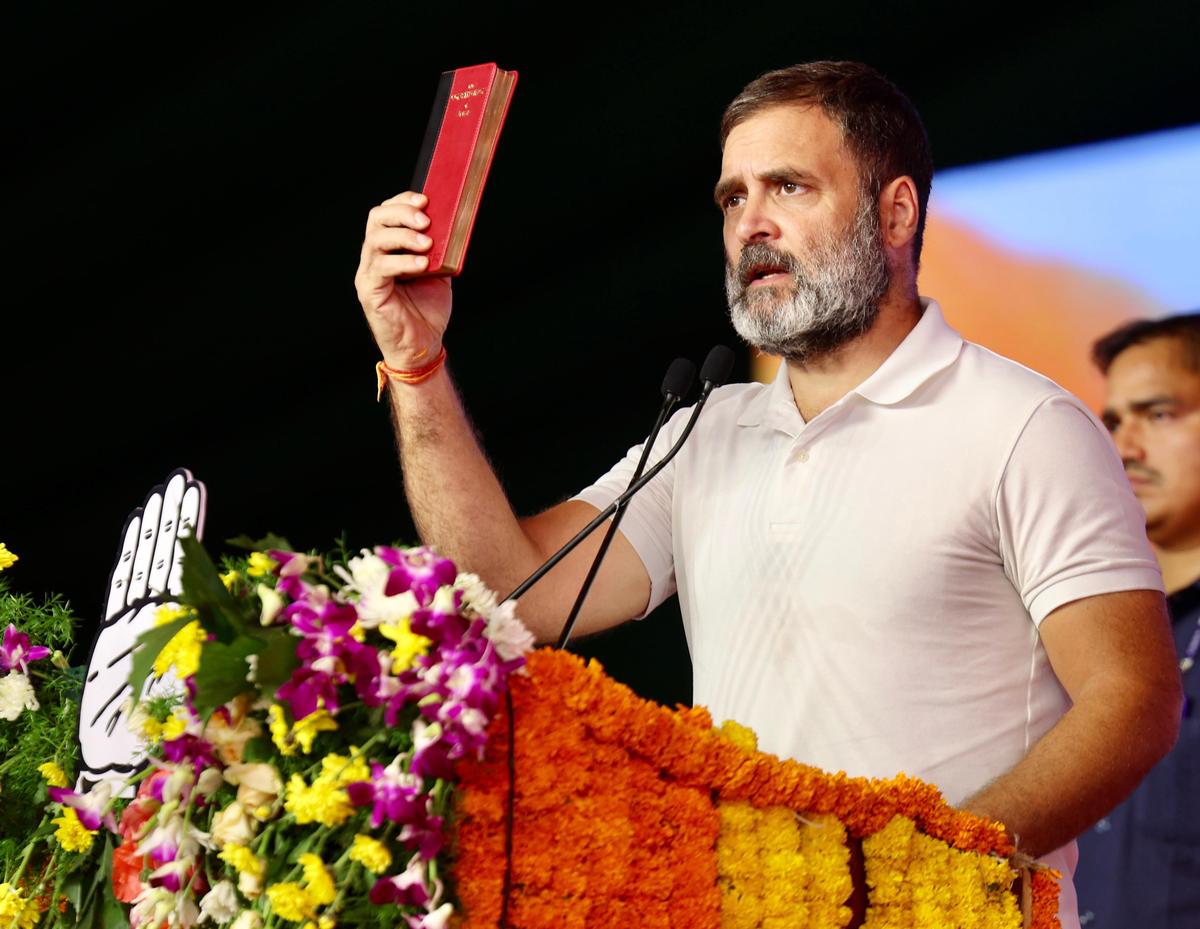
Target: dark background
186,198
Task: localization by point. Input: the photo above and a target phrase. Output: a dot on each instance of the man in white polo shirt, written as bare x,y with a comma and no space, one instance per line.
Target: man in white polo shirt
905,554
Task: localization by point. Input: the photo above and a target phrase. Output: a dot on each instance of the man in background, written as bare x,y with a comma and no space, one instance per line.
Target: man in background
1140,865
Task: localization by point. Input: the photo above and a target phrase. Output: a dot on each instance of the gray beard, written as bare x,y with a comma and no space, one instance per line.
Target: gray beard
828,303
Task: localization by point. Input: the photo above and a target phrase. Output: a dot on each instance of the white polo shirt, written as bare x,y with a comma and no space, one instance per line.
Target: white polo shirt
864,590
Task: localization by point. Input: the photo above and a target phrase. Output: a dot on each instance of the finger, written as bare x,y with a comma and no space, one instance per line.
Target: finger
139,580
191,522
168,529
391,266
401,215
118,578
411,197
390,239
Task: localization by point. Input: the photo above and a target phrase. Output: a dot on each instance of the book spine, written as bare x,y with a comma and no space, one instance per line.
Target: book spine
437,117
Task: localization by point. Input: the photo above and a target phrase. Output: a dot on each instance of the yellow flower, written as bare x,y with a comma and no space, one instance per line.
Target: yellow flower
242,860
229,578
317,881
20,913
278,724
340,771
7,558
371,854
176,725
291,901
302,733
183,651
323,802
71,834
306,729
741,736
408,644
152,729
54,775
261,564
169,612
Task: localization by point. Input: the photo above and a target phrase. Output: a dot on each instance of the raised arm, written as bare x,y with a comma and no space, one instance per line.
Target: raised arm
456,500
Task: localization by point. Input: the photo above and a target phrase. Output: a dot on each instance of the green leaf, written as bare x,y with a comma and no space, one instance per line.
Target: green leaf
113,915
222,672
269,541
258,749
147,648
72,889
220,613
277,661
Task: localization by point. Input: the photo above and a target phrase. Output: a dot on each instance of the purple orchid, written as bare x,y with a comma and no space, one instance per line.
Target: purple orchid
173,840
433,750
425,837
410,888
434,919
16,652
309,690
441,620
325,629
190,748
291,564
92,808
367,667
396,795
420,571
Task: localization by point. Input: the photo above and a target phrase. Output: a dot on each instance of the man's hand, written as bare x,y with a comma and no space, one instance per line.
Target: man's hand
408,317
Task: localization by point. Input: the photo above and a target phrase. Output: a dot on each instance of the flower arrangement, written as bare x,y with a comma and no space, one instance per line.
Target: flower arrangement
369,740
301,771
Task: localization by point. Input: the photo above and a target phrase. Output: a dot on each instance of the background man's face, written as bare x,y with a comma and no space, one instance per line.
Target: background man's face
1153,411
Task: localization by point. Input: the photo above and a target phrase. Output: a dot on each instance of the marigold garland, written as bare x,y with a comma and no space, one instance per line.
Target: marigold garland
918,882
626,810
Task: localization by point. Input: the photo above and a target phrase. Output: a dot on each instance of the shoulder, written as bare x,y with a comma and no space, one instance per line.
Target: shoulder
1004,391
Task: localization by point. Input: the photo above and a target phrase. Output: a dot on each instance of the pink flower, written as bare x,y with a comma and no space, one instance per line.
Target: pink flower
16,652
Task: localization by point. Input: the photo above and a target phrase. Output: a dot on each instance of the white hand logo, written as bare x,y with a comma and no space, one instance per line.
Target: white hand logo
146,575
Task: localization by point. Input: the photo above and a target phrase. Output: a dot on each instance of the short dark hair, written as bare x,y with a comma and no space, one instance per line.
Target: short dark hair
880,126
1184,329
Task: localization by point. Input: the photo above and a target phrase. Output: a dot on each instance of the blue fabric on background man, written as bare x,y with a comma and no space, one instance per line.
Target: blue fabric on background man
1139,867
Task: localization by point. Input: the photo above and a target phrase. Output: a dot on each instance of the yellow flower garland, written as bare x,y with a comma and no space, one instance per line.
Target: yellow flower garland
919,882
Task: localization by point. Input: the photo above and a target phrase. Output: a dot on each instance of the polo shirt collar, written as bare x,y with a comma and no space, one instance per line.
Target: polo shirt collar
929,348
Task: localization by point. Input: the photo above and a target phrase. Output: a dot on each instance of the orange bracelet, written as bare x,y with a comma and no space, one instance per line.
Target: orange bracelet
383,372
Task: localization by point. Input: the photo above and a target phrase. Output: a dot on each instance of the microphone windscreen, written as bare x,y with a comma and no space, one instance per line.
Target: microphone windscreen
717,366
678,380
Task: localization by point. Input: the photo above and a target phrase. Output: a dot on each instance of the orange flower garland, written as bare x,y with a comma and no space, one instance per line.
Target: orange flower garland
615,814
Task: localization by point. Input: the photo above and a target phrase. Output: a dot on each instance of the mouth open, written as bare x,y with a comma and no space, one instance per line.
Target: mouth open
766,274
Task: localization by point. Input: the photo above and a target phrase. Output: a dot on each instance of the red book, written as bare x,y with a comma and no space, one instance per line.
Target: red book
468,113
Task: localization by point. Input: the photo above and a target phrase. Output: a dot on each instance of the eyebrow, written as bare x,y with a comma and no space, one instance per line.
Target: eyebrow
773,176
1139,406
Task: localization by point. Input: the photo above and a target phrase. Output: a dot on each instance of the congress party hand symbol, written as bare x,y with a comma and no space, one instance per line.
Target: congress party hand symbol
147,573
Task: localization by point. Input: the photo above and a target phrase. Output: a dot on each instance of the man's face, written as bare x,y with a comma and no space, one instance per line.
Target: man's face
805,261
1153,411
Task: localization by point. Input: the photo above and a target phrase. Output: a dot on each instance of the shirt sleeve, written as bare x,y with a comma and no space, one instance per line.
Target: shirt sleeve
1069,524
648,517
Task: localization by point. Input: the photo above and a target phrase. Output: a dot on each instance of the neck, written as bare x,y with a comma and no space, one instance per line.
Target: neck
819,383
1180,566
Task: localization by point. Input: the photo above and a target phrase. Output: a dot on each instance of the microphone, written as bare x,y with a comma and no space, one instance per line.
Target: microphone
715,369
675,386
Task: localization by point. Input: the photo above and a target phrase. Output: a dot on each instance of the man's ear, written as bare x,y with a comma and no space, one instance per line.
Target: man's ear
899,212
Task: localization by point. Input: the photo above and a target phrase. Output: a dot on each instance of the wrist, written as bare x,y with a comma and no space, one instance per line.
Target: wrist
386,372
